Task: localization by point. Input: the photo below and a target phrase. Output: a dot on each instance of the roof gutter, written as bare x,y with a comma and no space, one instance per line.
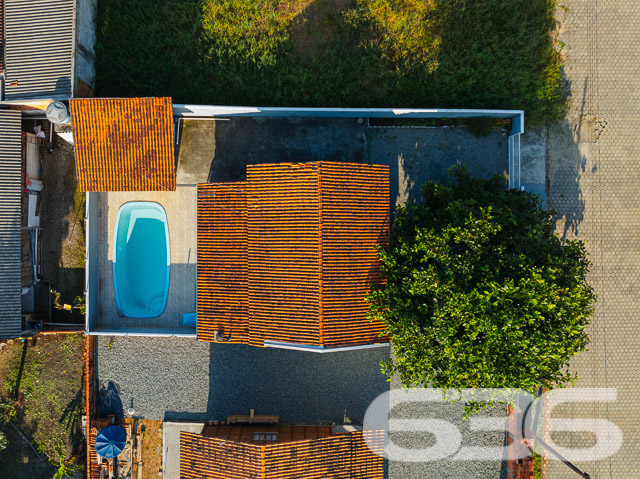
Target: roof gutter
321,349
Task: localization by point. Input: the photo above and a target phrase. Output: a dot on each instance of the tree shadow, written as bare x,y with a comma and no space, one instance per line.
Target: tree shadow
71,419
568,144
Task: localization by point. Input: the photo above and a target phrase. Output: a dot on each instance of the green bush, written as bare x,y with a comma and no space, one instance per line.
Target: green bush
480,292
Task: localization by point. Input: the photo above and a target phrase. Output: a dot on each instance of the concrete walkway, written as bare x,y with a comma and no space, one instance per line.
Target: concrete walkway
593,166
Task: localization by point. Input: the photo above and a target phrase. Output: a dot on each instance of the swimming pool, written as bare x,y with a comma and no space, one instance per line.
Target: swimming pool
141,259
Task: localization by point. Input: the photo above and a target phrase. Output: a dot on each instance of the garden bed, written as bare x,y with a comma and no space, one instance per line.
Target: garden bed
41,388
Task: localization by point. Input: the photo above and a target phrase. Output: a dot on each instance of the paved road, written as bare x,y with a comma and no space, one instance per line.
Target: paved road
593,166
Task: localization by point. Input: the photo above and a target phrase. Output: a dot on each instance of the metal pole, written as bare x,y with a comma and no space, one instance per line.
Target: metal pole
550,449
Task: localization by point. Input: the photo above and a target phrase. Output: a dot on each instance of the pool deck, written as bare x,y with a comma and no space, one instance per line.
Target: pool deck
181,209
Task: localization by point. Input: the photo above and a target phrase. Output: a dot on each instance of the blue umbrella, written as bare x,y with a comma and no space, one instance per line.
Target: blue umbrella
110,441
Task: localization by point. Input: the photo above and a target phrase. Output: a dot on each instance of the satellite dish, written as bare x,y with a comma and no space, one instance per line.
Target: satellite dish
57,112
110,442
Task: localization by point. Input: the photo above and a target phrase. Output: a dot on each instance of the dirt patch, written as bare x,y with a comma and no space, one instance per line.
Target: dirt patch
47,375
62,221
316,25
151,447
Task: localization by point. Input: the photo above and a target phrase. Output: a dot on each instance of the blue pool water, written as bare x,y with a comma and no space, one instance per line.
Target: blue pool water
141,259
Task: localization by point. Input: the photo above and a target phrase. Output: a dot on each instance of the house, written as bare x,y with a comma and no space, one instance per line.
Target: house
267,223
286,258
133,150
46,51
247,451
10,224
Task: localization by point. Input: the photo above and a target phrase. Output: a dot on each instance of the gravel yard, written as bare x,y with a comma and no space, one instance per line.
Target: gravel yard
445,468
181,379
184,379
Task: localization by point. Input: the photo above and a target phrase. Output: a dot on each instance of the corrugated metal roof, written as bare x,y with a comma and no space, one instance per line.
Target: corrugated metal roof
1,36
124,144
311,235
345,456
38,48
10,226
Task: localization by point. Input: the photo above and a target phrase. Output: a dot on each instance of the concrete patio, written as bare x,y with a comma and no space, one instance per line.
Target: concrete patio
180,207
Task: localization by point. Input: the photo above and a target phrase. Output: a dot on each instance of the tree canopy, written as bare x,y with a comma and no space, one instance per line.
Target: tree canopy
480,291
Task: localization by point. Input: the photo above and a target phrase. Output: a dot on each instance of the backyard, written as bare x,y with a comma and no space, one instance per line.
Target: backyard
340,53
41,393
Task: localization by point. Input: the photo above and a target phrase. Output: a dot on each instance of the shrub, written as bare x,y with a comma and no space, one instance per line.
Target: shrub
480,292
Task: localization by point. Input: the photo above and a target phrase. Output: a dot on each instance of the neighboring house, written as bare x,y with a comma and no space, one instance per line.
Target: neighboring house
37,65
252,447
38,49
281,452
10,224
46,50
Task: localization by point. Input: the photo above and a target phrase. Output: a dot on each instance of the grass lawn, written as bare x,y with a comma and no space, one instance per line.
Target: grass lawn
360,53
48,408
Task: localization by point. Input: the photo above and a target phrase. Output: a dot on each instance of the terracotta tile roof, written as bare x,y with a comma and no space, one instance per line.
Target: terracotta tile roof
344,456
222,261
311,236
284,253
124,144
355,218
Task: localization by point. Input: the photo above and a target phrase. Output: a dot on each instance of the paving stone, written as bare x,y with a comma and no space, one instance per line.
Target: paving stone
593,187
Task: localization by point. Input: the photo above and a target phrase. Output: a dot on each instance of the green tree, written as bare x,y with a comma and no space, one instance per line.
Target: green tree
480,292
3,441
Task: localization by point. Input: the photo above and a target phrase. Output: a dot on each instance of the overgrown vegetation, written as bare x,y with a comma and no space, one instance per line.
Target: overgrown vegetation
364,53
43,396
480,292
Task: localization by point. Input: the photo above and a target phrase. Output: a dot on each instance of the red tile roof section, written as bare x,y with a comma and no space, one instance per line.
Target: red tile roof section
345,456
355,219
124,144
312,232
284,253
222,262
209,458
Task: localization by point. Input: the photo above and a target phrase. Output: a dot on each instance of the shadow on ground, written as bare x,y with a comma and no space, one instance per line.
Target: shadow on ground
298,386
